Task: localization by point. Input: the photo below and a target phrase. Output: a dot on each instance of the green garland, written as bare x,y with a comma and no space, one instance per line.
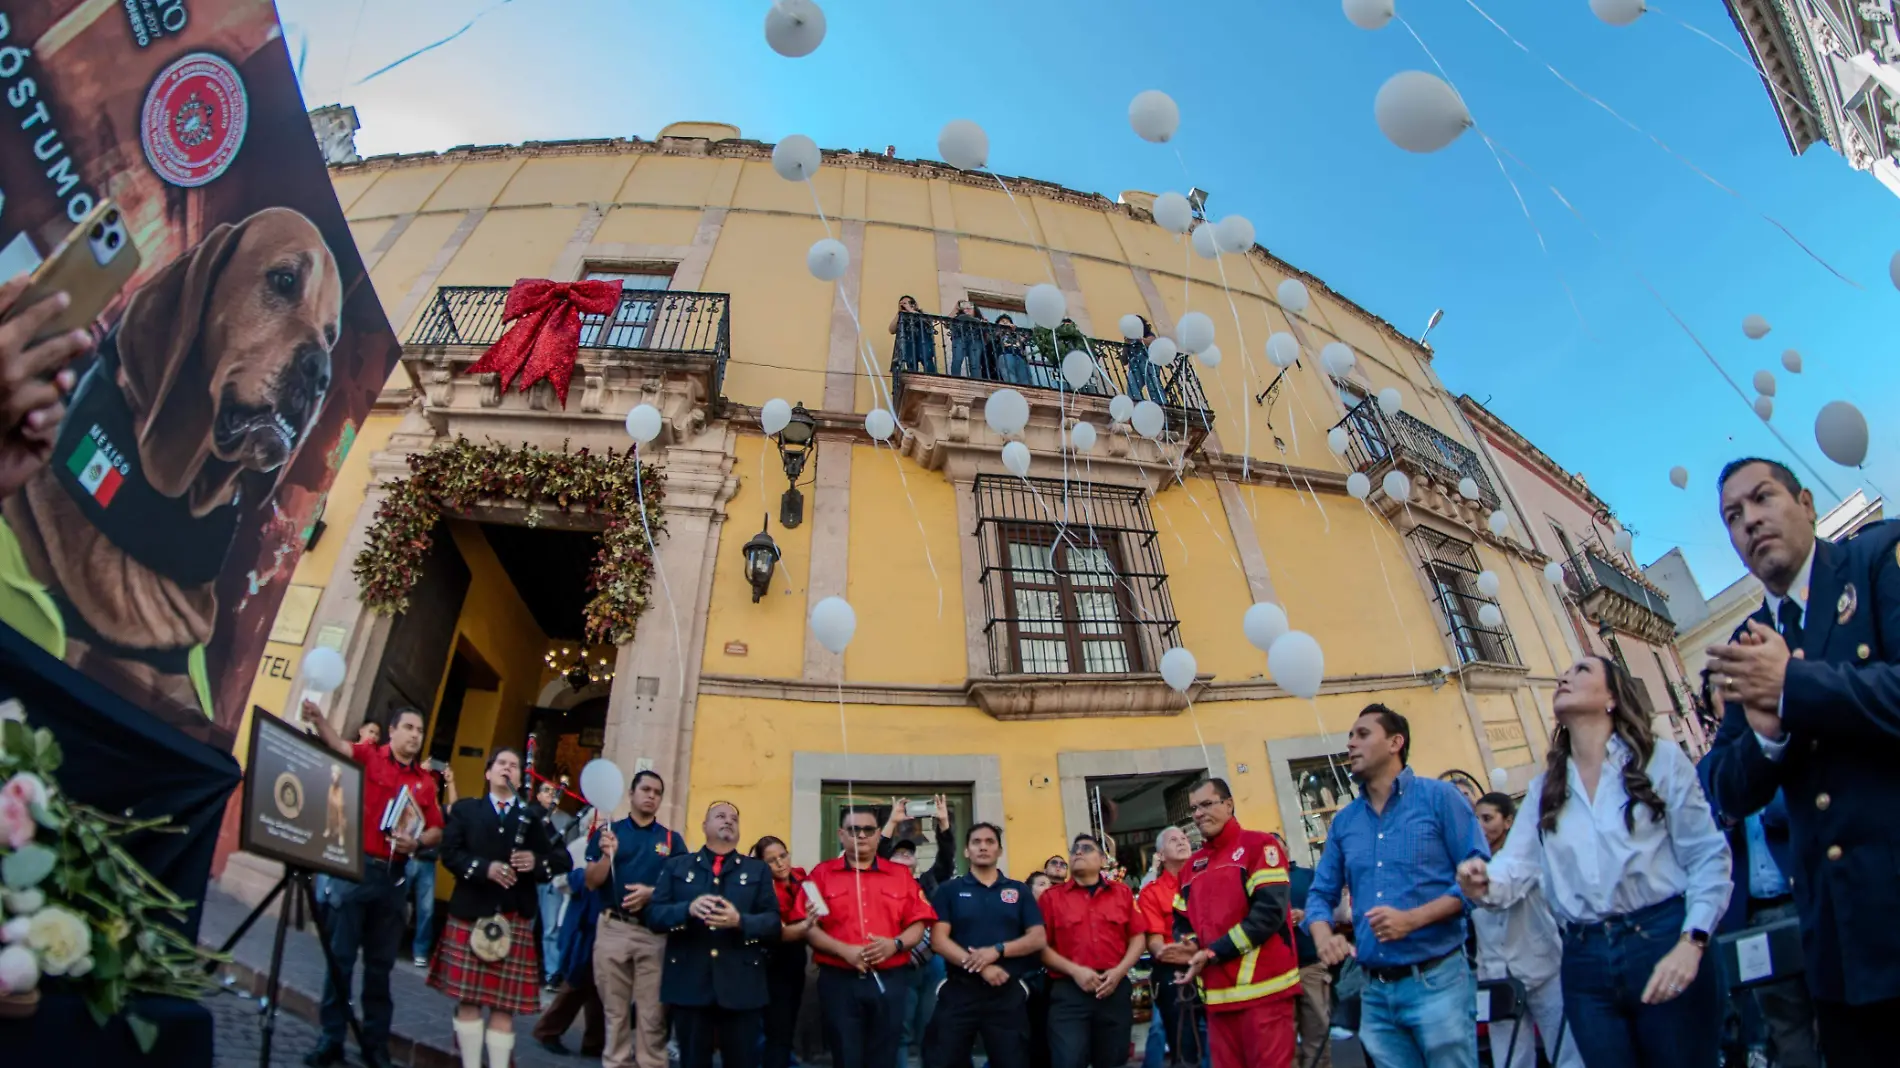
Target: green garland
456,475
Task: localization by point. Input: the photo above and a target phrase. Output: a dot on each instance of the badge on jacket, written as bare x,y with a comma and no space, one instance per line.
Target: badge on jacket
1239,852
662,847
1271,854
1844,608
1009,897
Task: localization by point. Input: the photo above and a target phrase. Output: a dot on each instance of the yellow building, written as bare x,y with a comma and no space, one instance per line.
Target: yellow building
1009,631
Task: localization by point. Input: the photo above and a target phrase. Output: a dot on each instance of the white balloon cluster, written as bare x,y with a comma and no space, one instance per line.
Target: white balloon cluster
1397,485
1488,583
1297,664
1234,233
1209,356
1337,359
1282,349
1263,624
1196,331
1078,370
1154,115
1490,615
964,145
1841,431
1007,412
1120,408
1391,401
1358,486
1082,436
1172,212
794,28
1148,419
1162,352
1292,295
1206,245
1131,326
1419,112
1016,459
1046,305
1554,573
833,622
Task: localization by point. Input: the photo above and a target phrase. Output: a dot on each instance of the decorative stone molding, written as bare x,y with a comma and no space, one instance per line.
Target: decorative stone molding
1019,697
1482,677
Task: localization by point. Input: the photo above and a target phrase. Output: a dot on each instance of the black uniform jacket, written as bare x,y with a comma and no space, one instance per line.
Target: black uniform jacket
1840,772
474,835
705,967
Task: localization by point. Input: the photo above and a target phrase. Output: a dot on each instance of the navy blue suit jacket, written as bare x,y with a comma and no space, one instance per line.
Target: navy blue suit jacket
706,967
1841,770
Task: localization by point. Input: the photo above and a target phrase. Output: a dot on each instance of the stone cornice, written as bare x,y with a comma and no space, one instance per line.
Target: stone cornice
965,694
1779,46
1528,452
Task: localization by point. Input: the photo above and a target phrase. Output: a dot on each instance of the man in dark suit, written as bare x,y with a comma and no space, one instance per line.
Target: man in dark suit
1811,689
717,908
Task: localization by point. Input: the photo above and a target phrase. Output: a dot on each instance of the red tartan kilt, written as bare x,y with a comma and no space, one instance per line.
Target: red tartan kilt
512,984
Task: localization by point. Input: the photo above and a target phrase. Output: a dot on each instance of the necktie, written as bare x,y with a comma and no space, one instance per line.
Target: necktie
1789,616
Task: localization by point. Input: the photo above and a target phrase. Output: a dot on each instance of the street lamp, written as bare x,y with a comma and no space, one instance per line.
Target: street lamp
795,444
761,556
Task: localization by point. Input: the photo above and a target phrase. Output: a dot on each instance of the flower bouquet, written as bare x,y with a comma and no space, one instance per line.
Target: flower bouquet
75,908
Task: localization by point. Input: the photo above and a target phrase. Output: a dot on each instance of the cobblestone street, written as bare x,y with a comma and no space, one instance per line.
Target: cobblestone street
239,1036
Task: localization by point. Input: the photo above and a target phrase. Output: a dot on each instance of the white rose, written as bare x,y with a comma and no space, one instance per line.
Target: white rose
25,902
19,972
61,939
80,968
15,930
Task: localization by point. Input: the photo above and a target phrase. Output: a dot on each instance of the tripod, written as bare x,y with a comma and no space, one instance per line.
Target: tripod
302,892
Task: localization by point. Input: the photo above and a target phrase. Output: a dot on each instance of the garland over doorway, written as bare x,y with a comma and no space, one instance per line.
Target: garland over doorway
455,476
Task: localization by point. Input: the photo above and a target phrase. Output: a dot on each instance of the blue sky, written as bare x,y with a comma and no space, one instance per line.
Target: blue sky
1276,102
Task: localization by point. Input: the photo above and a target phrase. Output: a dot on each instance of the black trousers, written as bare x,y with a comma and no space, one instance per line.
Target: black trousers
967,1007
864,1016
702,1029
365,917
1086,1031
785,984
1857,1036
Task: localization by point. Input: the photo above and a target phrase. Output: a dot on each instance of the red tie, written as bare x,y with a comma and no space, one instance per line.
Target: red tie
719,860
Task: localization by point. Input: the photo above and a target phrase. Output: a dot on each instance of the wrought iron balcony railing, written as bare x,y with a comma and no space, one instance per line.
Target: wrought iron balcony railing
1376,439
978,349
1588,572
662,321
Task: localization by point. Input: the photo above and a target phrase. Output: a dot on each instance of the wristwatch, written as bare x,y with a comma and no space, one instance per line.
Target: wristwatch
1698,937
1001,951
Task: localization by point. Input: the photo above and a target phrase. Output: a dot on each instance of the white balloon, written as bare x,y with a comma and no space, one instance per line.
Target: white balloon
794,28
1263,624
1148,419
1841,431
1016,458
1679,477
1120,408
1369,14
1391,400
1765,383
1419,112
1296,663
1082,436
834,622
643,423
1209,356
879,424
1396,485
1554,573
1077,369
1007,412
1205,245
1282,349
1755,327
1765,408
1132,326
323,670
1468,488
1338,359
1195,330
602,783
1172,212
796,158
1618,12
1624,542
1489,616
1293,295
1500,779
775,416
1162,352
828,259
1337,440
964,145
1177,669
1154,115
1791,361
1488,583
1358,486
1234,234
1046,305
1498,522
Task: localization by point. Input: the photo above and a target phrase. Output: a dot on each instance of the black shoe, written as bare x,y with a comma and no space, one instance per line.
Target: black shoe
379,1059
553,1045
323,1056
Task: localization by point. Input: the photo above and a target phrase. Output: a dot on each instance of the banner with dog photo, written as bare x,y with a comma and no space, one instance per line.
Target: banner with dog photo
230,373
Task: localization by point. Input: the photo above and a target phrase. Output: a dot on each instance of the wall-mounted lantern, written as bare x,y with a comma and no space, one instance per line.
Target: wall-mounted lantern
761,556
795,445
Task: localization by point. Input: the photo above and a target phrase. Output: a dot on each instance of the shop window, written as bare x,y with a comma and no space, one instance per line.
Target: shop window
878,797
1325,786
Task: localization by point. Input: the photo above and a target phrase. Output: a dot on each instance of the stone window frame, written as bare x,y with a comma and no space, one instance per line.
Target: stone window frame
811,770
1075,767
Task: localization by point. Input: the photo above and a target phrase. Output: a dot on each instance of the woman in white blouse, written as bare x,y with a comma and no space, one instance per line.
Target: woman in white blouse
1619,838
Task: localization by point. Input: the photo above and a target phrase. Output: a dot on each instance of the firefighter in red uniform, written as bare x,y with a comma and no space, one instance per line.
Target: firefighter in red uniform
1233,903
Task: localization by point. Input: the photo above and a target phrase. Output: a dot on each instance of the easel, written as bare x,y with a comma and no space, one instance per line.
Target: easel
302,893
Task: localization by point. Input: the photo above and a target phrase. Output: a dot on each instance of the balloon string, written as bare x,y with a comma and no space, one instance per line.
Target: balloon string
1246,363
653,553
1749,63
1371,527
1679,157
851,793
1195,718
922,537
1047,267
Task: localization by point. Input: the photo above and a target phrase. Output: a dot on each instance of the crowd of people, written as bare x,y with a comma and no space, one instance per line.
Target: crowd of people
998,350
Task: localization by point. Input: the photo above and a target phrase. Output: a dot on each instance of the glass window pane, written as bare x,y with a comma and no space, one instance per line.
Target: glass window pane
1091,567
1105,656
1044,657
1098,612
1039,611
1030,562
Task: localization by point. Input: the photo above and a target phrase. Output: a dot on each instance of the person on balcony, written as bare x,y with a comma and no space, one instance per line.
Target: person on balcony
1012,360
1144,378
967,334
916,338
1051,346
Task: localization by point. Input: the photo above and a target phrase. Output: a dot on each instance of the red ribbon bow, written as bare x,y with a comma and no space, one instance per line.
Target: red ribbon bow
546,336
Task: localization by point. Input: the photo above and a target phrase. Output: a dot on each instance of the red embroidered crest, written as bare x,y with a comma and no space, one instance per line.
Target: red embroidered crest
662,847
194,119
1271,854
1009,897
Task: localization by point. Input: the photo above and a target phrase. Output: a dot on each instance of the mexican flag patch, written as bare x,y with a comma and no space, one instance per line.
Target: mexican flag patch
99,467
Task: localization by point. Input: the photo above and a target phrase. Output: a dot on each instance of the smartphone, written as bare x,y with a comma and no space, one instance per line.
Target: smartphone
91,266
815,901
919,809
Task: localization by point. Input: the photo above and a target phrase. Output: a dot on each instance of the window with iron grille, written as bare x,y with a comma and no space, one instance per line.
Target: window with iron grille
1453,568
632,321
1073,581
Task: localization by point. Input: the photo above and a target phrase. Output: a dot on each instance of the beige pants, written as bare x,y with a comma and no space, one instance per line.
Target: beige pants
1314,1012
627,960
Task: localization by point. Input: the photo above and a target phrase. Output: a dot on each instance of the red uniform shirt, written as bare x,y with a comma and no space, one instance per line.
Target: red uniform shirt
1157,904
1090,926
878,902
383,778
788,891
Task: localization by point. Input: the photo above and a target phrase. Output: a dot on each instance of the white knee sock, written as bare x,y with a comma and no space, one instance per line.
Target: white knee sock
468,1039
501,1046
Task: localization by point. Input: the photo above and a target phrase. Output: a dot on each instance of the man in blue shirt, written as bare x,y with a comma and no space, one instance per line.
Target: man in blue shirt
1397,847
623,865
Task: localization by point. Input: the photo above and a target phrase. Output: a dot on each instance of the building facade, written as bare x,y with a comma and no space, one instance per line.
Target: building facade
1009,629
1830,70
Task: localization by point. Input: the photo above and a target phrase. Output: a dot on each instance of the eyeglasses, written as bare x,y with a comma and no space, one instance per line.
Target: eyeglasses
1203,806
1084,849
858,830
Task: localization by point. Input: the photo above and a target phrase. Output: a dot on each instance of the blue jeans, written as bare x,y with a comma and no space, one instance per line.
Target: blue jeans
966,354
549,896
922,1001
420,876
1606,965
1145,377
364,916
1428,1018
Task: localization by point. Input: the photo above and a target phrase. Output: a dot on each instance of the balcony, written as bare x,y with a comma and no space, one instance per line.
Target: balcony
1436,463
1606,592
663,347
934,354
